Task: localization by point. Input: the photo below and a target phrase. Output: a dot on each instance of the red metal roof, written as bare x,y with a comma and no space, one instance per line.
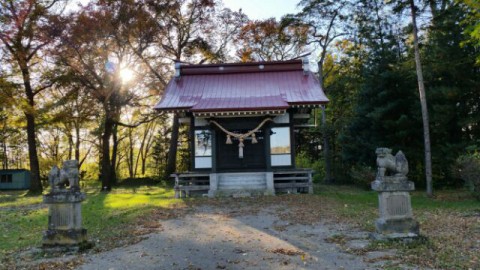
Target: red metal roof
242,87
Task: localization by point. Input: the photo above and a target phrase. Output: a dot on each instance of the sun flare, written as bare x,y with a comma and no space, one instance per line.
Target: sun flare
126,75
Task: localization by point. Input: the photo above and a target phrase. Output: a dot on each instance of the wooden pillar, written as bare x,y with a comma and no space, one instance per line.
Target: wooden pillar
292,139
268,157
214,150
192,143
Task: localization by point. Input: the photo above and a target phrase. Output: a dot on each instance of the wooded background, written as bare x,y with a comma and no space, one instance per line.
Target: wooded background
80,83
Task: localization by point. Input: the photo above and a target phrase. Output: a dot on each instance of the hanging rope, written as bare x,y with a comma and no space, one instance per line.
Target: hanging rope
241,137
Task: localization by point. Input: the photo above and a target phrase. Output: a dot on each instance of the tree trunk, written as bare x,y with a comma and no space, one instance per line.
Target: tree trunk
5,156
113,165
326,145
423,102
140,152
70,145
137,160
326,149
144,167
35,184
144,147
106,172
130,158
77,144
172,150
4,153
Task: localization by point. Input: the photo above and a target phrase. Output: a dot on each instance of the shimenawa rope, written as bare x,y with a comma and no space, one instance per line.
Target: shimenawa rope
241,137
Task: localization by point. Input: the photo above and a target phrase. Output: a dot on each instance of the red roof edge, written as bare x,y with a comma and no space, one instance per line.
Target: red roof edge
173,108
227,68
242,109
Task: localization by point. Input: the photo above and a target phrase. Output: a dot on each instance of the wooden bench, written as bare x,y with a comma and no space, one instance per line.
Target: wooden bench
187,184
293,181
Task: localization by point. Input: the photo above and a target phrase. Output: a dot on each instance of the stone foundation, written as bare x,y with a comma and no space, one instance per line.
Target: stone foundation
54,238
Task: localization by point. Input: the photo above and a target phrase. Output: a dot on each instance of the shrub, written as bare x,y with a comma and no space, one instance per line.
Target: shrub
136,182
303,161
467,168
362,175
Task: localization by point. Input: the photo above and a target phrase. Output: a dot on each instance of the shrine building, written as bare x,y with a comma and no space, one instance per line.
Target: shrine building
242,119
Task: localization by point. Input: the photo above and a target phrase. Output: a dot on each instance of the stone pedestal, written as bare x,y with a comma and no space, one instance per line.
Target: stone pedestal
396,217
64,208
64,219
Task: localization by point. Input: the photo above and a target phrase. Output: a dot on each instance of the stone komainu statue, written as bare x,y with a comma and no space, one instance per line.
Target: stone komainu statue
64,200
68,175
390,166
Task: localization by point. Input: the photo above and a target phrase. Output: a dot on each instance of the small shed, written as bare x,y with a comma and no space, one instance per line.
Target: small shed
242,119
14,179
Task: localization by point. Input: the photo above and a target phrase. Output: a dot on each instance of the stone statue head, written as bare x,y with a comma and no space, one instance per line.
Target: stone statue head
70,164
382,151
67,176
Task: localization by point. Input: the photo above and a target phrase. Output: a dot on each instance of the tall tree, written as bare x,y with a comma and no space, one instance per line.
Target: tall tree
385,110
423,102
269,40
97,59
449,69
327,21
71,108
25,32
184,31
6,130
472,23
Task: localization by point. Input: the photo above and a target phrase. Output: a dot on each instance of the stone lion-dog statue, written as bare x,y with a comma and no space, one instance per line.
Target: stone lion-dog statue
68,175
392,167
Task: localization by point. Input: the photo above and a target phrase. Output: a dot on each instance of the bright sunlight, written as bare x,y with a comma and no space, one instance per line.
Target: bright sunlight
126,75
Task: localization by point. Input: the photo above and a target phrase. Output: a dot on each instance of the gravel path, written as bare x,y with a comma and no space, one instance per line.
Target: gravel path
221,239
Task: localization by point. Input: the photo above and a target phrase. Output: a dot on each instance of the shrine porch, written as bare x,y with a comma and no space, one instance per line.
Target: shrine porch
241,184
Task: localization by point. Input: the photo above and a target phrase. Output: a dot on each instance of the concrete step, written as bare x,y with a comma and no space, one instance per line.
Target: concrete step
241,193
226,180
242,187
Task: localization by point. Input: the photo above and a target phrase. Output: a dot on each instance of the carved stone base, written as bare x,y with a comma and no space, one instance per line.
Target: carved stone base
397,228
54,238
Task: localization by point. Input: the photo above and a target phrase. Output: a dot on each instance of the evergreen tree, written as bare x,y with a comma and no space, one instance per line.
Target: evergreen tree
385,114
453,83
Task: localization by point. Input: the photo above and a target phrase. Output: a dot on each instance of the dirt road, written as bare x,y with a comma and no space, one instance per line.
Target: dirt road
226,238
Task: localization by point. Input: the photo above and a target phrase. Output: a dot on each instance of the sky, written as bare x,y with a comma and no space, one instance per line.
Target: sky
263,9
255,9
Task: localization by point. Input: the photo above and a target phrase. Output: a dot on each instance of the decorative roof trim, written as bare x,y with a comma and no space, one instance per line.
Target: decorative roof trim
306,105
239,113
248,112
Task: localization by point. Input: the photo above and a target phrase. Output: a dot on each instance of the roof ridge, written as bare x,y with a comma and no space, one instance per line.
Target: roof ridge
251,67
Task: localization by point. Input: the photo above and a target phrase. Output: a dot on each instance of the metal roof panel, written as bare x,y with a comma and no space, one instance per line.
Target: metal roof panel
275,86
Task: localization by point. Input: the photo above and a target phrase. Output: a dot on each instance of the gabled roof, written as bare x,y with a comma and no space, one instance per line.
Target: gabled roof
237,87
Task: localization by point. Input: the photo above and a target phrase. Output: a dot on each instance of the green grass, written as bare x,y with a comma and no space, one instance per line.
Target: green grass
106,216
17,198
454,199
450,223
359,203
